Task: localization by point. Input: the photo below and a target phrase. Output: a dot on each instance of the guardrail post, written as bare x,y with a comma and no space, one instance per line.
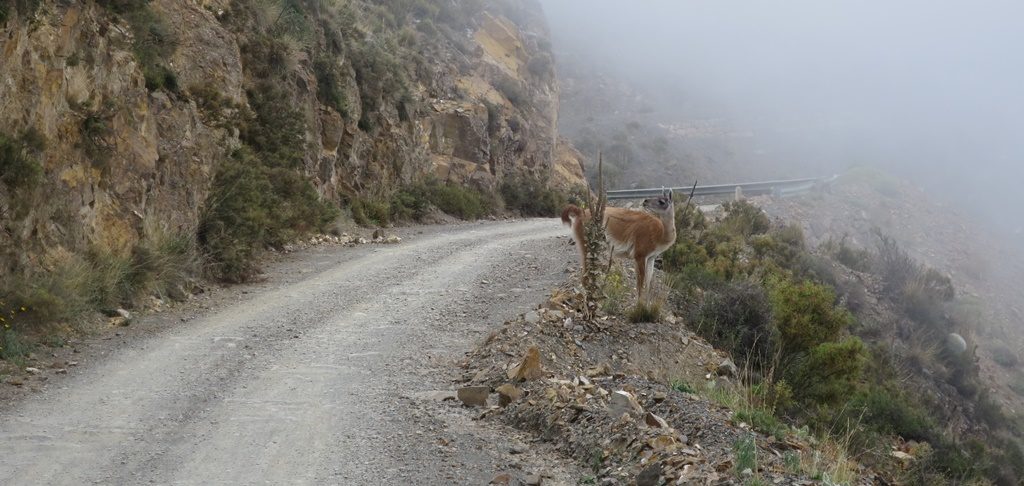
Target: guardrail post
739,193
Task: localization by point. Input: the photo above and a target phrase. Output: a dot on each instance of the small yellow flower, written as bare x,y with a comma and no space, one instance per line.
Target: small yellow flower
23,309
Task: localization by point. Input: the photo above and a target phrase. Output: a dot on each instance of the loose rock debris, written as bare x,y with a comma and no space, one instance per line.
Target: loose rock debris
599,393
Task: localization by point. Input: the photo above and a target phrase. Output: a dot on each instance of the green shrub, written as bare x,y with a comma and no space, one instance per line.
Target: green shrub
689,217
745,453
19,168
380,76
277,133
683,387
684,253
25,8
805,314
853,258
895,266
153,43
830,372
541,66
921,291
1017,384
531,196
413,202
409,203
783,246
13,347
512,91
737,318
889,412
923,298
762,420
251,206
1005,357
97,136
329,85
458,201
744,219
370,212
45,297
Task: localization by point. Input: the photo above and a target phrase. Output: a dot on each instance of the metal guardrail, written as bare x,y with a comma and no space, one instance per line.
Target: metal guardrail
778,188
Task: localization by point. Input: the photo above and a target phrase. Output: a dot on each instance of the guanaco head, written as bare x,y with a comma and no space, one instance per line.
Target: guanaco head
661,204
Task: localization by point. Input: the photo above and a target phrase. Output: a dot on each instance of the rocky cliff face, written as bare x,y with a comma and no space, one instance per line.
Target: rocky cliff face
130,107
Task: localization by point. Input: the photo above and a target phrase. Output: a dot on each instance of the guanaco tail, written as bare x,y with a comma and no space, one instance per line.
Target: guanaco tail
640,235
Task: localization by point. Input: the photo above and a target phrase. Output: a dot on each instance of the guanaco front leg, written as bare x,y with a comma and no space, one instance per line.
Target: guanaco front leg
641,276
649,278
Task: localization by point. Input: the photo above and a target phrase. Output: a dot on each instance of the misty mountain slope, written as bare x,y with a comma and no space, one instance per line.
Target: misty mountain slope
642,144
986,270
930,93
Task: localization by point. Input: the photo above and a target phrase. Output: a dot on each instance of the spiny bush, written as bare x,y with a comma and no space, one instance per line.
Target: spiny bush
19,167
805,314
13,346
616,291
531,196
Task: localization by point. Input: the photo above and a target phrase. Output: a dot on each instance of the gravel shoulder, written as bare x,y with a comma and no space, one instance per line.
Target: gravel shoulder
331,371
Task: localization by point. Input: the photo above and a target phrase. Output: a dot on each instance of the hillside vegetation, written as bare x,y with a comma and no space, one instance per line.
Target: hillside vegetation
849,342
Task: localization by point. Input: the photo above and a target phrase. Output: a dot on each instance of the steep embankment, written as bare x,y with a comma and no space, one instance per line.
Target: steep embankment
118,115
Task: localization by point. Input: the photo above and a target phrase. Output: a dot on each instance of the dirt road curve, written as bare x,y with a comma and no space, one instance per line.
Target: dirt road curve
321,375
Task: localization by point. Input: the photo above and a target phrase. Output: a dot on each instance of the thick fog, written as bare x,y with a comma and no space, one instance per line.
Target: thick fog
931,90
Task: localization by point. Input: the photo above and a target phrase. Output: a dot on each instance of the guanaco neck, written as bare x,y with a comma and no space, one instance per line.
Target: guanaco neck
668,221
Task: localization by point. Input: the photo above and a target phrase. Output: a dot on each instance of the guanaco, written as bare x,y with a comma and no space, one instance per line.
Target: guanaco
640,235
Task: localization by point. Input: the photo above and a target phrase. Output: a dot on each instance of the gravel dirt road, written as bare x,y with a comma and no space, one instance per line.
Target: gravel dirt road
328,372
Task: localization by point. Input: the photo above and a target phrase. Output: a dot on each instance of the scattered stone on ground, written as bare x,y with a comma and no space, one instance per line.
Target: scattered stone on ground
529,368
508,393
728,368
474,396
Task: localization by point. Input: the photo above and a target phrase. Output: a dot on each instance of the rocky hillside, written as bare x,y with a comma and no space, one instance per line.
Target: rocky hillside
206,116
